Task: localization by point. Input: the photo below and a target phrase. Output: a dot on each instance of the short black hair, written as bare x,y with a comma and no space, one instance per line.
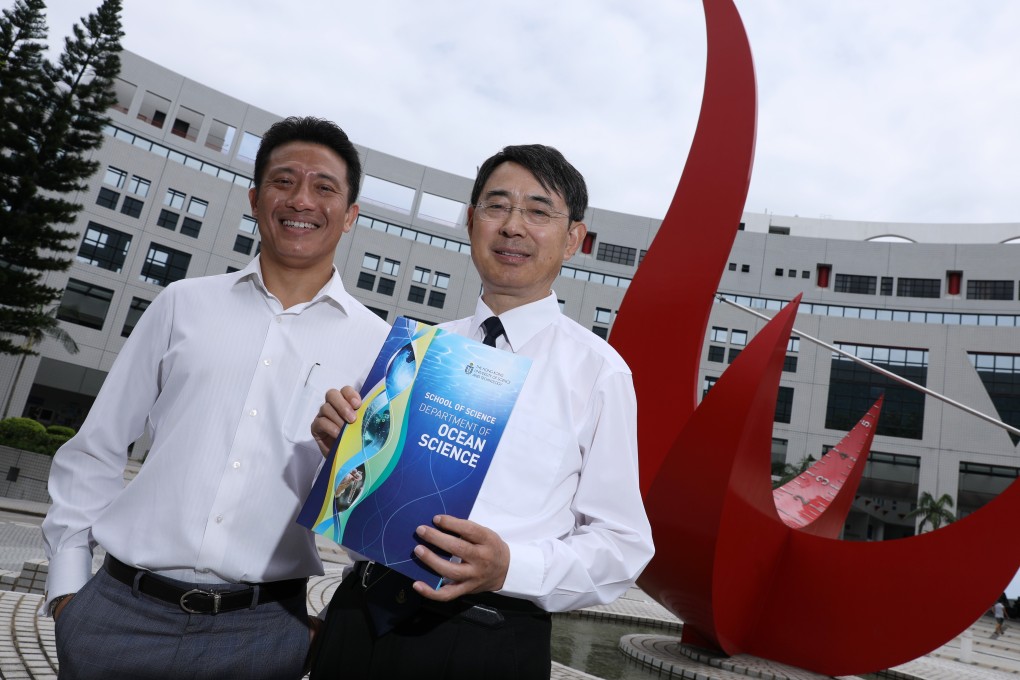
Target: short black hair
549,167
314,131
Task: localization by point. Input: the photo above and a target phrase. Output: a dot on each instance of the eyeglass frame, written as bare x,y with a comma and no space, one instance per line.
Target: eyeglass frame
508,210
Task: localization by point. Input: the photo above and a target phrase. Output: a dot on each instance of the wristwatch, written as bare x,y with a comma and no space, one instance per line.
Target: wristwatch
55,602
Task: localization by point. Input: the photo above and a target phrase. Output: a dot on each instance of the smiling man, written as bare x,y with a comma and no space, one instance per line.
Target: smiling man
206,569
558,523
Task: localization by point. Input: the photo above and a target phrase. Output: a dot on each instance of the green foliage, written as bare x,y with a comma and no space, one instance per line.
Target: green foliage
51,119
935,512
29,435
791,472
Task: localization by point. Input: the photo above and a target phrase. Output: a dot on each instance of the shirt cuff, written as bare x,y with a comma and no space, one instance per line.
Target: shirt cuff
526,572
69,570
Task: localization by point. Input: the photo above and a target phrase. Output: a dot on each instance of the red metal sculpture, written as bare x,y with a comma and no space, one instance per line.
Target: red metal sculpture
741,578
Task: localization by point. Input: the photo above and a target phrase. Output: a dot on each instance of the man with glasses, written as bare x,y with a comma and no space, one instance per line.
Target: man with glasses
559,522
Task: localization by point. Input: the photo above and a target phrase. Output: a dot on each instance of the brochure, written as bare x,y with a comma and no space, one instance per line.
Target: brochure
433,410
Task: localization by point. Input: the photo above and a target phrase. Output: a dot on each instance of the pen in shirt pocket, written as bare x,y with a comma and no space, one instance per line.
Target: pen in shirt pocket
311,372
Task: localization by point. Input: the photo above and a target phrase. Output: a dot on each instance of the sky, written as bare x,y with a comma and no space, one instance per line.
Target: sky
871,110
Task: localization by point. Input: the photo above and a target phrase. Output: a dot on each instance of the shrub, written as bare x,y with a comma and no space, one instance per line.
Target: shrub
27,434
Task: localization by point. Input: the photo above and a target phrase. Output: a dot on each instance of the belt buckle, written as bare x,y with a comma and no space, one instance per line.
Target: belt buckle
197,591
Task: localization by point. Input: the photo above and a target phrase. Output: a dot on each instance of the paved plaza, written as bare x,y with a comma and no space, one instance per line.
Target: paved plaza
27,643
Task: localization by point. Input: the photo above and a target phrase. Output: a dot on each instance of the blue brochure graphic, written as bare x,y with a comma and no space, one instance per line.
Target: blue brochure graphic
433,409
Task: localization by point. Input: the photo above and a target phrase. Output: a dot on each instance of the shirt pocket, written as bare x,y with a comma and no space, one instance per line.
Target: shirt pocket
305,401
532,460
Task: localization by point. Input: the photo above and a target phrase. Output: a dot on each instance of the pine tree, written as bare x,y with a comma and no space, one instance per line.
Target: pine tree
53,117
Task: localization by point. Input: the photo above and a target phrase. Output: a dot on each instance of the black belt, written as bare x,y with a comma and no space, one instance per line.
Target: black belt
198,600
487,609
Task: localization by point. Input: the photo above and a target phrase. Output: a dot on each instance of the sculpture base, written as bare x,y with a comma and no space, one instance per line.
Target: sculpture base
673,659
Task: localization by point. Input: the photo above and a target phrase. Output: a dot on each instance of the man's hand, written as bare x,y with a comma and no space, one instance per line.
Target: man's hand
485,558
338,410
60,607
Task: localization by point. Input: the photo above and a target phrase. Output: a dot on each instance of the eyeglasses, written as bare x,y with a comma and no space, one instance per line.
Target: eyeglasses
500,212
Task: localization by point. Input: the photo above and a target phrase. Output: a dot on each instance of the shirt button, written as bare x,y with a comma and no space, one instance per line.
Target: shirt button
219,518
237,464
279,319
253,412
267,361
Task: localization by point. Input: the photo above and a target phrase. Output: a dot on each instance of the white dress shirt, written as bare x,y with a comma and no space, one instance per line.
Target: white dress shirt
228,383
562,489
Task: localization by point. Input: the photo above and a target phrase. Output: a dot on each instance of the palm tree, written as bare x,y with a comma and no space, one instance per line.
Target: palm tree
932,511
49,328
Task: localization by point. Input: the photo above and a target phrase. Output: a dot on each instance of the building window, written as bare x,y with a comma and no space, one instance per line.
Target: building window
421,275
416,294
138,305
733,354
886,285
243,244
1000,374
167,219
164,265
603,315
386,286
249,147
779,271
719,334
784,405
793,345
853,389
370,261
854,283
745,268
990,290
716,353
601,331
805,274
791,273
609,252
790,364
441,280
366,281
437,299
707,385
85,304
107,198
132,207
918,288
174,199
139,186
104,247
198,207
732,266
114,177
381,313
190,227
180,128
248,225
391,267
738,338
980,483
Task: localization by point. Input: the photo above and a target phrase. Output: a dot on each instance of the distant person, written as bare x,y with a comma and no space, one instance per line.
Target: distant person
559,522
999,612
206,570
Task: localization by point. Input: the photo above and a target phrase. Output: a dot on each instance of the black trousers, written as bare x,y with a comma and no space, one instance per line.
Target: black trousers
430,645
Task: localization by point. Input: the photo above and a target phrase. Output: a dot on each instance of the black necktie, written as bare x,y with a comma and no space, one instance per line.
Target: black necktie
493,329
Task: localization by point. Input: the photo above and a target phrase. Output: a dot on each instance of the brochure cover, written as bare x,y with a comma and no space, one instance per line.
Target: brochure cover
433,410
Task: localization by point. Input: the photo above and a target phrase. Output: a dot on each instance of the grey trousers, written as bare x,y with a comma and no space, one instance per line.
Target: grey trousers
107,631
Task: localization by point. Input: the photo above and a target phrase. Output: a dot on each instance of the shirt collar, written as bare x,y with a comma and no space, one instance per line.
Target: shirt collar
333,290
520,324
